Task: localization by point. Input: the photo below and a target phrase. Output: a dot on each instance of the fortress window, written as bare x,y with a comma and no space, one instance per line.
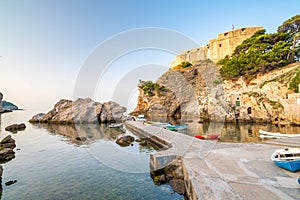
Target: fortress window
220,45
243,29
225,34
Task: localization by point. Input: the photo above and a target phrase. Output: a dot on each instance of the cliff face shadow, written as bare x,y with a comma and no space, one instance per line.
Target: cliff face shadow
81,134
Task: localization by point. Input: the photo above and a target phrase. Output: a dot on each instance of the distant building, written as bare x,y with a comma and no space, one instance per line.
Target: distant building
217,48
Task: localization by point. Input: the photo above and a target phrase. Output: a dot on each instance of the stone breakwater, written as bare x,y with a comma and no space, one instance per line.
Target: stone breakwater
215,170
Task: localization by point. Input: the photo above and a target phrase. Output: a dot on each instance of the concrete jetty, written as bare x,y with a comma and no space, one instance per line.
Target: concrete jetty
214,170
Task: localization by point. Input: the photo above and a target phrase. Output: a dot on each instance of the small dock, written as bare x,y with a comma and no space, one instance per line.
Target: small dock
214,170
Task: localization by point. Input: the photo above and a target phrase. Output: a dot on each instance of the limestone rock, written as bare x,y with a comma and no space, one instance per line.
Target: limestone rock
15,127
178,185
125,140
200,91
81,111
6,148
37,117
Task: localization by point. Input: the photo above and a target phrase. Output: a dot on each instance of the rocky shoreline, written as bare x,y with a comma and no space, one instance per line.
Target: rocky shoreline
81,111
199,91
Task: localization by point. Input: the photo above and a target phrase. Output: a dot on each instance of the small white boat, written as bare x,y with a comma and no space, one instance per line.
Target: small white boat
115,125
159,124
278,134
288,158
141,118
270,137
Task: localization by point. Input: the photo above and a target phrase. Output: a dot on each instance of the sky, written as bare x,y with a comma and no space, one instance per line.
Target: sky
46,44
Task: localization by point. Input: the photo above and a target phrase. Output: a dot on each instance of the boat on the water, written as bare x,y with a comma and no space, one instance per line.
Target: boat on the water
176,128
159,124
208,137
270,137
277,135
141,118
288,158
115,125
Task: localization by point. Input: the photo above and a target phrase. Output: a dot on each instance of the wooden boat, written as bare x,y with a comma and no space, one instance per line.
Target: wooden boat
288,158
115,125
281,135
208,137
176,128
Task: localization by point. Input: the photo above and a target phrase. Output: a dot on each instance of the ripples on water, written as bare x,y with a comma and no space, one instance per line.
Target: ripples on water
53,164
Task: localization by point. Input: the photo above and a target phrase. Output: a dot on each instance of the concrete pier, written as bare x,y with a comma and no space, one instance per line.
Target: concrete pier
214,170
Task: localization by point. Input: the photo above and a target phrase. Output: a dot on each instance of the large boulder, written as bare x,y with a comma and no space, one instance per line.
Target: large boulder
125,140
81,111
15,127
6,148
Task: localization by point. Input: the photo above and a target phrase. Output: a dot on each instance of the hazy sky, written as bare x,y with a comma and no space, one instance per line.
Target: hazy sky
44,43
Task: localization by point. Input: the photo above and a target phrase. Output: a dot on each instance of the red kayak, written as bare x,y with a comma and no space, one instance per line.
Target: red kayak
208,137
202,137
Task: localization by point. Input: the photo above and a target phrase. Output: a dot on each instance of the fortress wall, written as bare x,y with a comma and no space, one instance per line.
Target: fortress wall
191,56
226,42
292,108
217,48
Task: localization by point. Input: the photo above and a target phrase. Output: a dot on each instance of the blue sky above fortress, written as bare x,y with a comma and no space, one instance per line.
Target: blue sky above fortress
43,43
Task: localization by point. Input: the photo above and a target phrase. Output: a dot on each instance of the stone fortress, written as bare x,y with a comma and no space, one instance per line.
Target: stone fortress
217,48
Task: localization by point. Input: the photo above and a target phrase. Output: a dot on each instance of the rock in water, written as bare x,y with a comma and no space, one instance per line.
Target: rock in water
178,185
15,127
81,111
6,148
125,140
37,117
8,142
8,183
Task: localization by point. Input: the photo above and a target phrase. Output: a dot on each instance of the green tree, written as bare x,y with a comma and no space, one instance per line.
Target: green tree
292,27
263,52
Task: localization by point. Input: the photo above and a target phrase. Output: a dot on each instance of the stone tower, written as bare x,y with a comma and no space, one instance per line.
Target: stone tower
1,97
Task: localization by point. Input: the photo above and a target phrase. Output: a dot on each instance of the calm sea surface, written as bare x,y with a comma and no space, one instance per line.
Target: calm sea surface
52,164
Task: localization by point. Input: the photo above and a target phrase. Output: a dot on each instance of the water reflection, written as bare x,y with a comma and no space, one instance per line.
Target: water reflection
229,132
83,133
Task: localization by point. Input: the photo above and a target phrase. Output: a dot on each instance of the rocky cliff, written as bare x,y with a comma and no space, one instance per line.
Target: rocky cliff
198,90
81,111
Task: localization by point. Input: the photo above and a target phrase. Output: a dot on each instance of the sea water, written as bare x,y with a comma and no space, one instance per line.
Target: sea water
50,163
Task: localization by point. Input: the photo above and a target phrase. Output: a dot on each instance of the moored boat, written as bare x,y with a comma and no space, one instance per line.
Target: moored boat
277,135
159,124
115,125
208,137
288,158
141,118
176,128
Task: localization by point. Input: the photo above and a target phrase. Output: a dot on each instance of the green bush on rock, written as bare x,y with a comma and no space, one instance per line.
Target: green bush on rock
151,88
294,84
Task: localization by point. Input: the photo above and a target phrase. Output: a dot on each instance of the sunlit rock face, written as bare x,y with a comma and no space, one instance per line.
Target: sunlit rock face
199,90
81,111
